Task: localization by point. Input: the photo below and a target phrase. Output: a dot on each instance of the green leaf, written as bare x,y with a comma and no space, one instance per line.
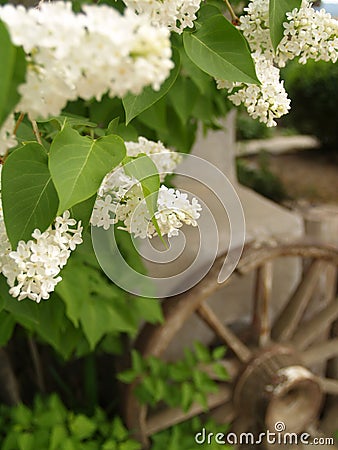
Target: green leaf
189,358
22,416
110,444
145,171
156,116
221,372
135,104
147,308
12,74
71,120
201,398
6,329
26,441
93,303
29,197
138,363
202,353
82,427
130,445
277,16
58,435
219,49
128,376
157,367
179,371
183,96
188,393
127,133
83,211
78,164
26,312
219,352
113,125
119,430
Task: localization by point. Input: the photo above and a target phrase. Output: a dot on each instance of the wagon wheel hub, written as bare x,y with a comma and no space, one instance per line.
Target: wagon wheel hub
275,387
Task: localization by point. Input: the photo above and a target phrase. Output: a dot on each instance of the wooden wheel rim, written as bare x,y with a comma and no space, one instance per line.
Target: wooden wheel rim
153,340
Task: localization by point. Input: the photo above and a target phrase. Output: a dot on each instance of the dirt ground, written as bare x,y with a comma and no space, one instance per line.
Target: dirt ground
307,175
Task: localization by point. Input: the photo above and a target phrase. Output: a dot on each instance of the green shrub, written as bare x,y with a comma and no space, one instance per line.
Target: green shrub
248,128
177,384
50,426
314,95
261,179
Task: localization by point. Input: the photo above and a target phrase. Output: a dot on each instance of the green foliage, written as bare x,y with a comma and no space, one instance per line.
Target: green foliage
313,92
248,128
219,49
177,384
81,315
182,436
12,74
50,426
26,179
277,13
261,179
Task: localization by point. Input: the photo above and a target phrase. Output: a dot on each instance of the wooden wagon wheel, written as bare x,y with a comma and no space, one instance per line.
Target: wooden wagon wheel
271,372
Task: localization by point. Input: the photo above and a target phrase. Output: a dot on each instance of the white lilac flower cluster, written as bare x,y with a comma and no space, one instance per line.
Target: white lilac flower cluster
33,269
308,34
265,102
7,138
121,197
85,55
174,14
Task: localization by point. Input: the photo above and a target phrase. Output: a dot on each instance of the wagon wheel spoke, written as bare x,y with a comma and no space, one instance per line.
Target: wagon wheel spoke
241,425
321,352
262,296
315,326
329,386
224,333
288,320
225,413
168,417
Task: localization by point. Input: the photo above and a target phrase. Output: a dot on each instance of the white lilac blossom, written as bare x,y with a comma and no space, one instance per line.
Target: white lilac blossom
121,197
308,34
7,138
267,101
33,268
174,14
85,55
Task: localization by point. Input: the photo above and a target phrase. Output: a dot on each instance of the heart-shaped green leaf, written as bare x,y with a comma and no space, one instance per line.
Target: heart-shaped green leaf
78,164
29,198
